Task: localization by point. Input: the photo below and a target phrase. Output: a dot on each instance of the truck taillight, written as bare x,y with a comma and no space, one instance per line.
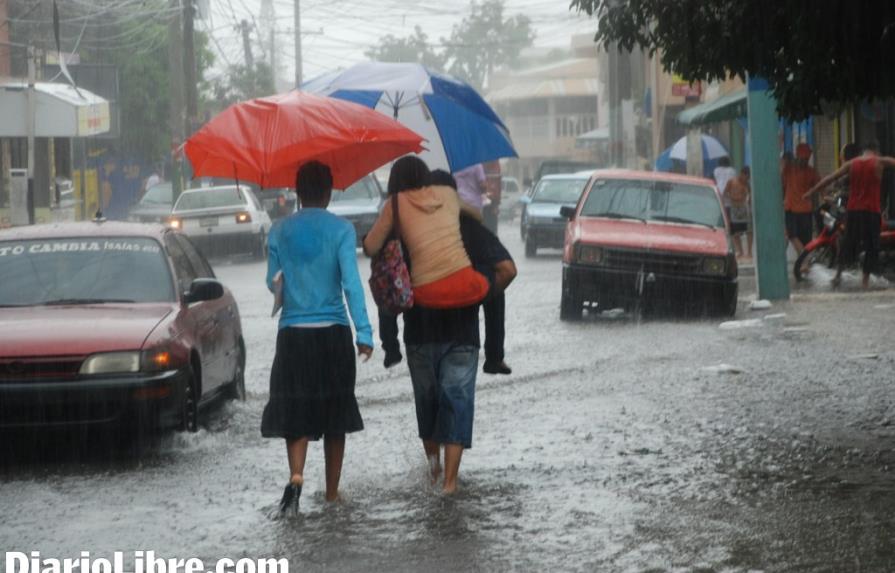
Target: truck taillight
243,218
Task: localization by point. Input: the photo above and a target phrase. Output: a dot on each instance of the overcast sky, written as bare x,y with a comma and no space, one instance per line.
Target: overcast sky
337,32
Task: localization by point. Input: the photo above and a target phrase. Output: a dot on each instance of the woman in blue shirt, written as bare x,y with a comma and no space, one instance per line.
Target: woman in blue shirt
313,374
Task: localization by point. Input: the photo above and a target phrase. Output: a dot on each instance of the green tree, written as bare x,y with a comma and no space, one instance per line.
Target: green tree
415,48
143,78
813,55
485,40
243,83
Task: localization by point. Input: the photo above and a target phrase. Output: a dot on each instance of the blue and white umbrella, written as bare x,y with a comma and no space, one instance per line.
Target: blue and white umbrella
461,129
712,149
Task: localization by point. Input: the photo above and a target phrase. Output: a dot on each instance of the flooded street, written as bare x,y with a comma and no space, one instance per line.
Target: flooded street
669,445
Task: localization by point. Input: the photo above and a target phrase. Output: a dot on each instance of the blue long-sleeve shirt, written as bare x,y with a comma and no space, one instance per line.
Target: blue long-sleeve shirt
316,252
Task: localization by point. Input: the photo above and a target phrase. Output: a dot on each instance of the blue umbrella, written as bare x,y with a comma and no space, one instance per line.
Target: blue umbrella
712,150
461,129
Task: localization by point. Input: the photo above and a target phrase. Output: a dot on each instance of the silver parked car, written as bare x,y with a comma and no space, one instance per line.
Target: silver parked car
155,205
223,220
360,204
542,224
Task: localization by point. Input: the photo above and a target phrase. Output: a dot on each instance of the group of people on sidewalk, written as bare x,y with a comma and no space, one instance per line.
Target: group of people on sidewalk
859,178
456,265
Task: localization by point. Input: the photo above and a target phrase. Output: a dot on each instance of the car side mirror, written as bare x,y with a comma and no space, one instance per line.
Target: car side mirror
525,199
567,212
202,290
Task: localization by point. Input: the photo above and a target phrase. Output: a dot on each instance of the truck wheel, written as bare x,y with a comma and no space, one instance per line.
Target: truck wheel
727,303
531,248
570,308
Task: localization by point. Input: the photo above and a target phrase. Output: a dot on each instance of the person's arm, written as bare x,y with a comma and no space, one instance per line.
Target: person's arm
273,257
887,161
823,183
504,273
380,231
354,292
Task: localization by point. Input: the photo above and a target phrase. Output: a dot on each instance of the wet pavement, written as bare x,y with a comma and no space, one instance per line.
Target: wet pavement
667,444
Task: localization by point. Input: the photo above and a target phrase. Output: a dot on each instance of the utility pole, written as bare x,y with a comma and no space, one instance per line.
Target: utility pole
176,92
189,69
268,19
24,215
245,29
298,70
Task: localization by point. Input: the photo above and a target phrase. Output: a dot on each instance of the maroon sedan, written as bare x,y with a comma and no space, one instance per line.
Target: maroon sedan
112,323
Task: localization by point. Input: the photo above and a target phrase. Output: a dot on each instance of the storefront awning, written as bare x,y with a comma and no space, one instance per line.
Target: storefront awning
59,110
727,107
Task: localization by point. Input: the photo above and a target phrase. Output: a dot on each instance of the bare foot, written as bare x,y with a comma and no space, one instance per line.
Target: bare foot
449,489
434,470
334,498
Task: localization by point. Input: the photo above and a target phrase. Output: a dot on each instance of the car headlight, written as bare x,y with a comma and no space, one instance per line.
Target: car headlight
714,266
175,223
111,363
589,255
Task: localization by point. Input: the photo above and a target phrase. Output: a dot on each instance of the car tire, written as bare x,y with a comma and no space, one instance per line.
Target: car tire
570,308
236,390
531,248
189,405
260,252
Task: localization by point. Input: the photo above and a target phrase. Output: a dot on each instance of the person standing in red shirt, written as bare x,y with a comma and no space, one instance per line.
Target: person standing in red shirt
863,222
798,177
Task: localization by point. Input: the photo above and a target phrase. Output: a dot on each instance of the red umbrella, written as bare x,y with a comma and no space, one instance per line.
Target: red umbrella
266,140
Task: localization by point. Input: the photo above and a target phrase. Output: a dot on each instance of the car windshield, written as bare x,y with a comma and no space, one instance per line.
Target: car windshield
559,190
161,194
654,201
83,270
211,199
363,190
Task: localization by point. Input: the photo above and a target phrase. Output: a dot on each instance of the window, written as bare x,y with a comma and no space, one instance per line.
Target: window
210,199
576,105
655,201
197,261
83,269
183,269
254,200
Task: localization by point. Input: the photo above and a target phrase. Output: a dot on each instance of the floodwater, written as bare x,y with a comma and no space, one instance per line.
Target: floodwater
662,445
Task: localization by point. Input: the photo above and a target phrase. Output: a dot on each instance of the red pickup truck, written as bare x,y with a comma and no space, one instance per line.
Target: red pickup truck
639,236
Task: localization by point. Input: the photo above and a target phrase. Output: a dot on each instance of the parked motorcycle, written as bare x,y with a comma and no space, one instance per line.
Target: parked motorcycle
825,248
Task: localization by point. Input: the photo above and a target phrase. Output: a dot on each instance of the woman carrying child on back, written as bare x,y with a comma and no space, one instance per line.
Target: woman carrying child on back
429,222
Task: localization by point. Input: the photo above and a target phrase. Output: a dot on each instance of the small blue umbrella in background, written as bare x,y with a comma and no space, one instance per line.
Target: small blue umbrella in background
712,151
461,129
675,157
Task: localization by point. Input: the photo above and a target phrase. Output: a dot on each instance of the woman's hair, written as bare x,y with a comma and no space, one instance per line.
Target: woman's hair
313,182
409,172
850,151
724,161
442,177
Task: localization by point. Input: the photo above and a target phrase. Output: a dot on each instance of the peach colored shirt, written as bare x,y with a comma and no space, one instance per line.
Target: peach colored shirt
430,229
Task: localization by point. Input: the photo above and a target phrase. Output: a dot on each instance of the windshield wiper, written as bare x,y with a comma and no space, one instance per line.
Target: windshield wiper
65,301
613,215
672,219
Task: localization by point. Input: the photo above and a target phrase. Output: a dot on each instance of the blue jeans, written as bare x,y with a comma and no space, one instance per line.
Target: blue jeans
443,377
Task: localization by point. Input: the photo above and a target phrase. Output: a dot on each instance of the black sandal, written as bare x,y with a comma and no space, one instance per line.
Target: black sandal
290,501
